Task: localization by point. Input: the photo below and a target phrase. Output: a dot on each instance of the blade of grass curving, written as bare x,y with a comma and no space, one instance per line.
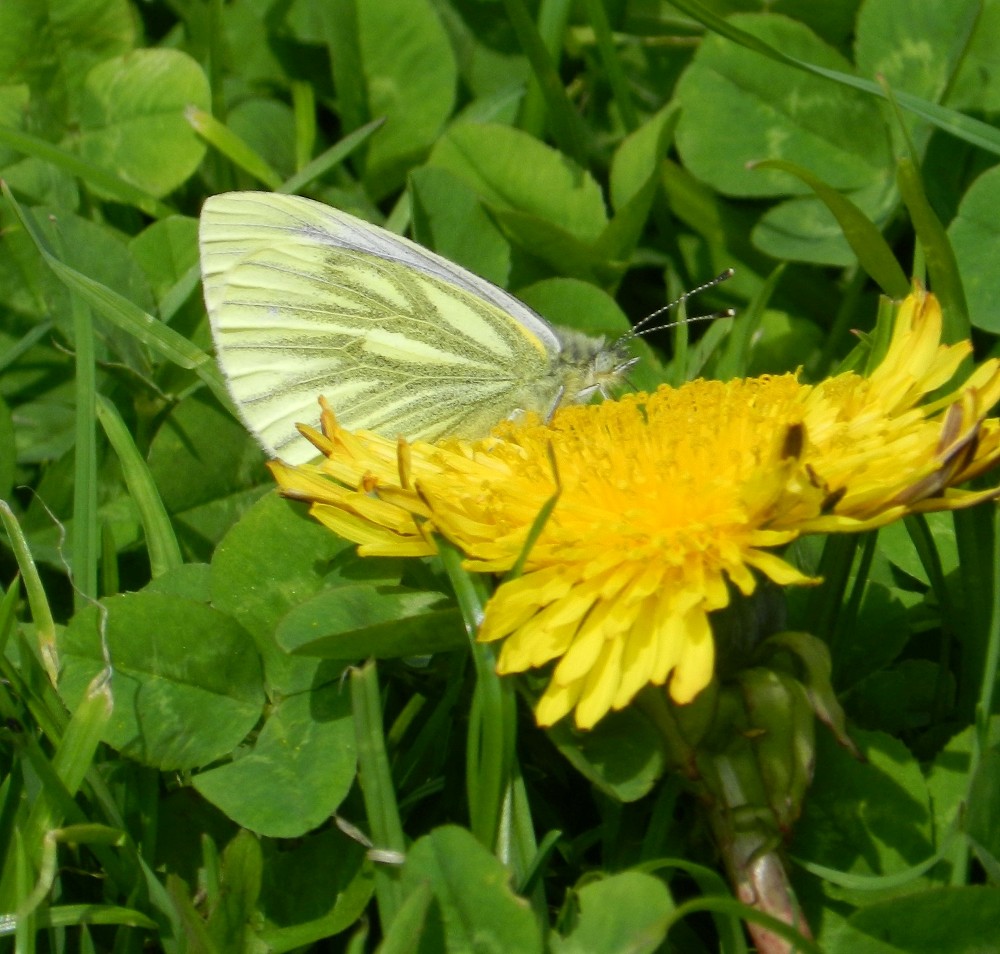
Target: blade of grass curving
107,182
736,351
48,863
536,868
942,266
164,551
567,128
304,110
8,616
826,600
30,683
179,292
866,241
992,663
25,929
69,766
877,341
730,906
340,31
850,608
535,531
711,883
611,62
829,357
236,149
957,124
70,915
886,882
923,542
524,843
331,157
978,541
426,746
83,541
13,797
41,614
109,582
25,343
377,789
84,537
552,18
492,719
123,313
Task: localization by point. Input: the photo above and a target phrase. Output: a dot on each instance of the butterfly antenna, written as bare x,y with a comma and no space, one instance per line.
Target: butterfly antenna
645,326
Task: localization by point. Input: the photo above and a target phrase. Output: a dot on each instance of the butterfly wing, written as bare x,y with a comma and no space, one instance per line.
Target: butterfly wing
305,301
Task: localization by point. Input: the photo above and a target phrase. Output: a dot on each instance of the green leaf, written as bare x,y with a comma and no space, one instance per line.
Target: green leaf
299,768
916,46
902,698
560,251
100,253
866,818
477,908
166,251
189,580
953,920
974,234
971,130
13,106
448,217
623,912
949,780
895,545
410,78
569,132
779,112
639,155
512,171
622,755
977,83
61,164
314,887
274,559
132,118
184,677
355,621
231,916
331,157
408,933
783,343
983,808
866,241
267,126
208,471
122,312
62,40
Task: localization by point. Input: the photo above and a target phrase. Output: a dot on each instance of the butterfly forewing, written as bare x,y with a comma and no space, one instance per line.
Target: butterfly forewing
305,301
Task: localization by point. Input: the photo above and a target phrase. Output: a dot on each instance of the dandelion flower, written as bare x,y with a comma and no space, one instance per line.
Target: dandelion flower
662,504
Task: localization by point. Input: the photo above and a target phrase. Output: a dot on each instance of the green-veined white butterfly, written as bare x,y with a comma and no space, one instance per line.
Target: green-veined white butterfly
305,300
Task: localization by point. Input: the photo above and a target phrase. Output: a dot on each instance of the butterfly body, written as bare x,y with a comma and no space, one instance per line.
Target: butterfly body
305,301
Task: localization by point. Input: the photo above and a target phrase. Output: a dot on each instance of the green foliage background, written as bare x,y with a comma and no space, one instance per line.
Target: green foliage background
596,158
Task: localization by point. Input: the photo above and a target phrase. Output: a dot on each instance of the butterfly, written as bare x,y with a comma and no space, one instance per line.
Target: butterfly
305,300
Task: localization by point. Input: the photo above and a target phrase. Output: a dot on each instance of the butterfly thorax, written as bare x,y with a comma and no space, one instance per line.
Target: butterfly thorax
588,365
